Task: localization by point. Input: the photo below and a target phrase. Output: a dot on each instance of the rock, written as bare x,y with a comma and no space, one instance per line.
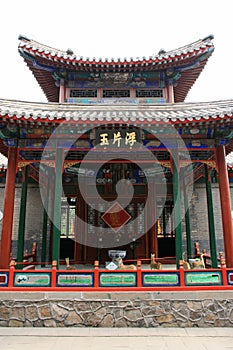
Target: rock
15,323
150,322
123,304
166,306
118,313
121,323
231,316
44,312
81,306
108,321
133,315
66,304
101,312
182,314
194,305
4,313
211,307
149,311
210,318
176,305
93,321
73,319
169,318
18,313
206,303
49,323
95,305
154,303
31,313
58,312
37,323
195,316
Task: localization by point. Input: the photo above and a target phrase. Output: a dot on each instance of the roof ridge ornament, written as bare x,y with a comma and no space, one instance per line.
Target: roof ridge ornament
69,52
161,52
23,37
209,37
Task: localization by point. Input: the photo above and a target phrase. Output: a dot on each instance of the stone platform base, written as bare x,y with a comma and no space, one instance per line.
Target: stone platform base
123,309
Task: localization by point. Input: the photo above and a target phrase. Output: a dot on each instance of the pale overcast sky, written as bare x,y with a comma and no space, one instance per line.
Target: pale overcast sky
121,28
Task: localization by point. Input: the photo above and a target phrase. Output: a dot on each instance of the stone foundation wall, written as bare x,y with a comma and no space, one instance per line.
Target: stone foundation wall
148,309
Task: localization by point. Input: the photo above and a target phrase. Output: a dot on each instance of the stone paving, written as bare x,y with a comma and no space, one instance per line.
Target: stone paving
116,339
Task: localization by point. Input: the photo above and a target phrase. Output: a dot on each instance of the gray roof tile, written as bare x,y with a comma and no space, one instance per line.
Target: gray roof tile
179,112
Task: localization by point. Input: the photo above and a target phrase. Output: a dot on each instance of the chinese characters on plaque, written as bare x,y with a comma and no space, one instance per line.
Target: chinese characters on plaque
117,138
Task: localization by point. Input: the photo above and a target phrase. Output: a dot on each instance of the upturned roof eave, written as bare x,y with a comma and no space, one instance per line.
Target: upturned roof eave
12,111
68,57
33,52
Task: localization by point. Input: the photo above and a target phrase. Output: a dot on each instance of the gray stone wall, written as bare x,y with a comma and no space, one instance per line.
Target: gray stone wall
147,309
199,217
34,217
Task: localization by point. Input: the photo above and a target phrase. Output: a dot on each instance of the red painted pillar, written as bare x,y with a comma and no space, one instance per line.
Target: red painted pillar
96,274
170,91
139,274
225,199
54,274
62,92
9,197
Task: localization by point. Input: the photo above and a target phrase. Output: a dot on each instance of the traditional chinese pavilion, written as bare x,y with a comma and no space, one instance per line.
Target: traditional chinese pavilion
105,121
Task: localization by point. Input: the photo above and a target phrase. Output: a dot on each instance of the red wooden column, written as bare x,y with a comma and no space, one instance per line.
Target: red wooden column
170,91
9,197
225,199
62,92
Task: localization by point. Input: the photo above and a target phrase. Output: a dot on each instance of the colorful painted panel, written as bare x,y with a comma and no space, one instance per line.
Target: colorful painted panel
230,277
33,279
4,279
118,279
107,101
75,279
153,279
203,278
